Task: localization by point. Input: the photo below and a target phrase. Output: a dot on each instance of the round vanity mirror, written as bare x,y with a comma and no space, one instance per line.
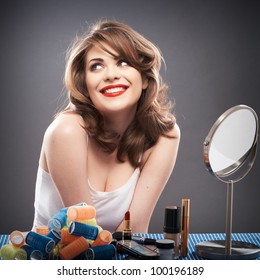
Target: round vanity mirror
229,152
230,147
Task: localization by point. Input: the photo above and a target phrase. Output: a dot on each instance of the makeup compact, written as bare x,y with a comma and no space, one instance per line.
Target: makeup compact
165,247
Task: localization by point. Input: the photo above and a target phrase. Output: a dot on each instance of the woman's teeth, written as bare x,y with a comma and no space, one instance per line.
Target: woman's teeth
114,90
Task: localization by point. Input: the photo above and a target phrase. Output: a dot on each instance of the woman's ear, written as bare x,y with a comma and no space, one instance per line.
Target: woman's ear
145,83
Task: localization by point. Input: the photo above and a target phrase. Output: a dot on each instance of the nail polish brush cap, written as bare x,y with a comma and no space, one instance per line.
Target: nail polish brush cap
172,219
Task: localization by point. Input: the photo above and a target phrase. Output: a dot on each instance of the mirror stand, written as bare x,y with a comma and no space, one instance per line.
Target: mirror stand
228,249
230,150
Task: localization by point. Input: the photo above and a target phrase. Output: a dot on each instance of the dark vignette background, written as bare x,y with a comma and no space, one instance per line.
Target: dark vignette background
211,49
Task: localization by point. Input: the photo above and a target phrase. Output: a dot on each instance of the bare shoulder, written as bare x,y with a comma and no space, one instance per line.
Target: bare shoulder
166,145
64,139
174,133
65,125
170,141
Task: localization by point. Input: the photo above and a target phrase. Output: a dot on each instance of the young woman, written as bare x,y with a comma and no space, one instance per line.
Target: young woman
115,144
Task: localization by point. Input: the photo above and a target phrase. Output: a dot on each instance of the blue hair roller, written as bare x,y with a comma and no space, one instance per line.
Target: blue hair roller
54,235
106,252
58,221
80,229
40,242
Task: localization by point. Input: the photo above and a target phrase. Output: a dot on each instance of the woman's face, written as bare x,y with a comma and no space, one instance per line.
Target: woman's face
113,85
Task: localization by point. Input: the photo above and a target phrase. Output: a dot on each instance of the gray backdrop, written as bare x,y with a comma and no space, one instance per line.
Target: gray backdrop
211,49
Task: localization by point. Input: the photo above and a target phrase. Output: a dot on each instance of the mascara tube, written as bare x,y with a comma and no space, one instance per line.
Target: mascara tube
185,223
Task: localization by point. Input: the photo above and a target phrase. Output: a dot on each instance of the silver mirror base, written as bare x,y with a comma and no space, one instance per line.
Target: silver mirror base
215,250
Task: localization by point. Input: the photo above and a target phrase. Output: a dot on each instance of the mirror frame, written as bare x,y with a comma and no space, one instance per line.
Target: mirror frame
246,161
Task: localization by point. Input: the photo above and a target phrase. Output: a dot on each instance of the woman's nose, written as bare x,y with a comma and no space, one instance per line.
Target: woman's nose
112,73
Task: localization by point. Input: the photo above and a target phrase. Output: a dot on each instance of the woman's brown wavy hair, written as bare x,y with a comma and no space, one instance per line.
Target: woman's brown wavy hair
153,116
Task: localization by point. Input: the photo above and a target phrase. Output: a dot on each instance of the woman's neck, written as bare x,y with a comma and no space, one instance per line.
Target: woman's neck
119,122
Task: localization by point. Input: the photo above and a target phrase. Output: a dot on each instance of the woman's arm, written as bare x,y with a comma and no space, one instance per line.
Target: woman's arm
159,163
64,155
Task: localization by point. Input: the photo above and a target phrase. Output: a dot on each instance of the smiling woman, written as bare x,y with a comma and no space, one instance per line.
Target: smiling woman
103,149
109,76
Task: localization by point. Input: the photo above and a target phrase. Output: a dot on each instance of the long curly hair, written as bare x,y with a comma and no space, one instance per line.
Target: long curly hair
153,116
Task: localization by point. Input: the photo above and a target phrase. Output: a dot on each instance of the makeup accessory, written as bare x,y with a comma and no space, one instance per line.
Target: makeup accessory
143,240
66,237
106,252
55,236
59,220
17,238
10,252
77,213
136,250
165,247
104,238
117,235
185,223
89,232
32,254
127,231
43,230
92,222
40,242
172,226
74,249
139,239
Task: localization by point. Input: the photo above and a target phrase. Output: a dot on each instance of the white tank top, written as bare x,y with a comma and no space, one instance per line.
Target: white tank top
110,206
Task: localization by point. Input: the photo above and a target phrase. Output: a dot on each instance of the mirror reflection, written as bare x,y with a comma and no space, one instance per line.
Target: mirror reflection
230,141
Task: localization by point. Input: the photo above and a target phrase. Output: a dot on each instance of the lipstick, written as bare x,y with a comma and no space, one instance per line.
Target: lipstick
185,223
127,231
113,90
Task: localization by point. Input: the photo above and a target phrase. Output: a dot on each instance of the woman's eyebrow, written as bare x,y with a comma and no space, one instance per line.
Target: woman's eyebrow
96,59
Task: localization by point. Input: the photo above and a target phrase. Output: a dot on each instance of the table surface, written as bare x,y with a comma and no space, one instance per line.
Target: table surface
194,238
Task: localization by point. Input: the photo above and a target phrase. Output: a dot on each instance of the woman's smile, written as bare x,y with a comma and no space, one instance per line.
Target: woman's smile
108,74
113,90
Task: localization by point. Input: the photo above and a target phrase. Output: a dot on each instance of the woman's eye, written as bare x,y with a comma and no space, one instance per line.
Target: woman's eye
122,63
95,66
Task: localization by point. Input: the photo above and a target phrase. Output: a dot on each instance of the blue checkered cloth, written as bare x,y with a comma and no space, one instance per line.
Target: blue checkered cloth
194,238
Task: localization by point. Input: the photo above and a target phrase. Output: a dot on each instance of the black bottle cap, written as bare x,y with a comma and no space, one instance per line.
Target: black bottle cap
172,219
164,244
118,235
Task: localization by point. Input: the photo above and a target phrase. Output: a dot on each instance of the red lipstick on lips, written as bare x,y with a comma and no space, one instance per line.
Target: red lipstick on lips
113,90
